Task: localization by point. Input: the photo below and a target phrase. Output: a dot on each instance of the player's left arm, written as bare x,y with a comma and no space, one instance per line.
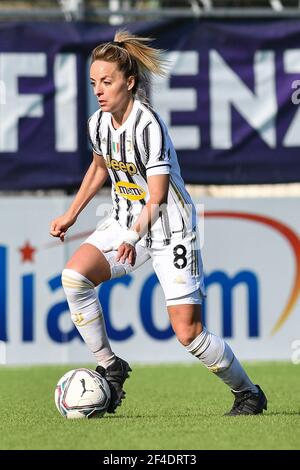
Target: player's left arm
158,186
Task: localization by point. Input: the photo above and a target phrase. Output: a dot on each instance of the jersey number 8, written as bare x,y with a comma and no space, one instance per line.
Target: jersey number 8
180,260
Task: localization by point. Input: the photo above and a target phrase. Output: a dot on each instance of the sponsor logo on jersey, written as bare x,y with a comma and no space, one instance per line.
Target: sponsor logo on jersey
130,190
121,166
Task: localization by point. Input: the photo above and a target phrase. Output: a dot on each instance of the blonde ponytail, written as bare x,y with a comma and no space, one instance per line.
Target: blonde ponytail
134,57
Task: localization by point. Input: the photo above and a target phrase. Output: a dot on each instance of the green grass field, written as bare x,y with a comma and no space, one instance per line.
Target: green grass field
167,407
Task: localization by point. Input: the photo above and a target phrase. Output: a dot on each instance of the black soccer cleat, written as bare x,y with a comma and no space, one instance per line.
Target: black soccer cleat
248,403
115,374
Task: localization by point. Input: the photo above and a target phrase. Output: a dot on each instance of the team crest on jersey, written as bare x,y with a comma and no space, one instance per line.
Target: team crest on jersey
130,191
129,146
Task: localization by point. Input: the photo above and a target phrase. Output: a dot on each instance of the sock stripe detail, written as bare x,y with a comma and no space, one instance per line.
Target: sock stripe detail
74,282
70,278
79,323
75,285
74,276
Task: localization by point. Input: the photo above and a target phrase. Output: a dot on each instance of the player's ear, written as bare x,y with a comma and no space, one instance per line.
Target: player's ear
130,82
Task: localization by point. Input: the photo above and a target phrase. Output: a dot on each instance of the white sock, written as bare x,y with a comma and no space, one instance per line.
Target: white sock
86,314
218,357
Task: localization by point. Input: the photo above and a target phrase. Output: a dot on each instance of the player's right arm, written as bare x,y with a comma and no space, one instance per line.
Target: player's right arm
93,180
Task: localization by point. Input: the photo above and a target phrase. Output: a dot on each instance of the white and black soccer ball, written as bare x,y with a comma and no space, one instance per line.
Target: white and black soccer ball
82,393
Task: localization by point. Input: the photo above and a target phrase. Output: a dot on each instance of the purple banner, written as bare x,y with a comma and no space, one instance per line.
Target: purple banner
230,100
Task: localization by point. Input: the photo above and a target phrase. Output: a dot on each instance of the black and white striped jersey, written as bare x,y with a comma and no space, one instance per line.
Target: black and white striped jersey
140,148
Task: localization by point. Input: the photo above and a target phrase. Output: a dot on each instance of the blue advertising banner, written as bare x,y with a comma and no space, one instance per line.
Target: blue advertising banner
230,99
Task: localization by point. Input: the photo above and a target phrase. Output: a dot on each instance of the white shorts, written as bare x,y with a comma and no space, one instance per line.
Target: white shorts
178,266
194,298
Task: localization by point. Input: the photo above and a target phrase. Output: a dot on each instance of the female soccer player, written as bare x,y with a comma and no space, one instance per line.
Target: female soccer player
153,217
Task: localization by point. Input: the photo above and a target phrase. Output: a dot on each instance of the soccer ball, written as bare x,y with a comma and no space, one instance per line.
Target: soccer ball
82,393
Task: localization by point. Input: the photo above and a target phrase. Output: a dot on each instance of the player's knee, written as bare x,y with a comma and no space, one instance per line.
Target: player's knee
187,334
75,285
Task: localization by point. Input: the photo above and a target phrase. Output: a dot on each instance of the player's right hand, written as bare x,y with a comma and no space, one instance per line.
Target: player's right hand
60,225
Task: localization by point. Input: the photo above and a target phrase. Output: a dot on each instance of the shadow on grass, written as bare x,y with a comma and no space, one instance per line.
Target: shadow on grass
162,415
283,413
201,415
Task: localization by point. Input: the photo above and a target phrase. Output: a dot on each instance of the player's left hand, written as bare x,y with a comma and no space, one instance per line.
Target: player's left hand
126,252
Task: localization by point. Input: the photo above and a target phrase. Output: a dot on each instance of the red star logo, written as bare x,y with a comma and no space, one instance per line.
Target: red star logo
27,251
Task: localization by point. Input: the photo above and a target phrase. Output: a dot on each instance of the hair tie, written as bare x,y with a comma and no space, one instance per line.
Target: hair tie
117,43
